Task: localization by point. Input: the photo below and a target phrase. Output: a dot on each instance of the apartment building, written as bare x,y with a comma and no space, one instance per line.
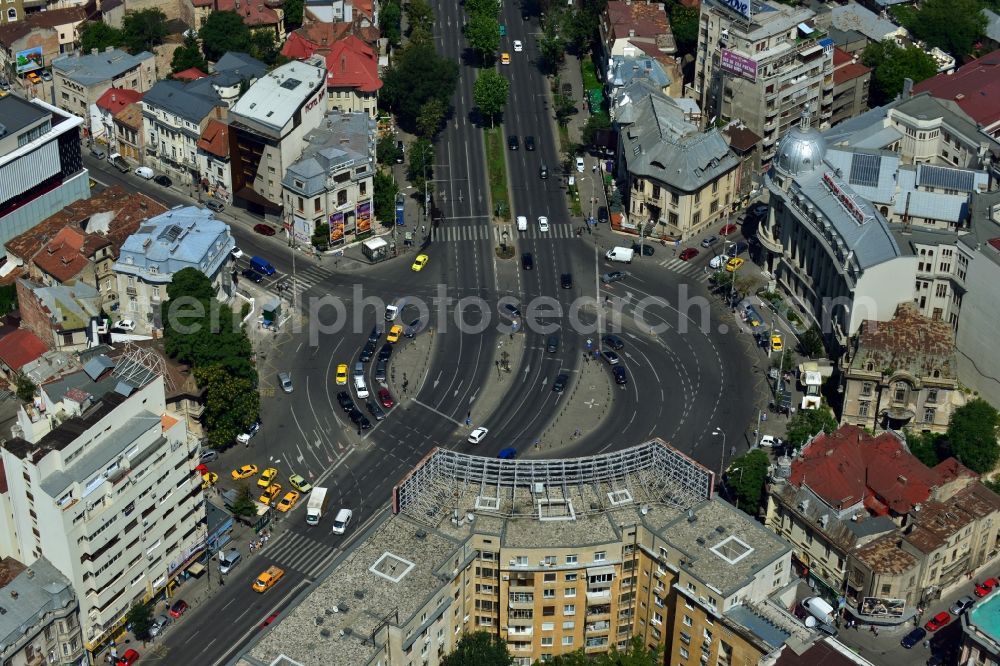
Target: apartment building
213,160
761,63
130,138
851,83
174,114
41,165
267,132
678,180
553,556
980,643
188,237
104,485
40,622
79,80
332,182
970,87
901,373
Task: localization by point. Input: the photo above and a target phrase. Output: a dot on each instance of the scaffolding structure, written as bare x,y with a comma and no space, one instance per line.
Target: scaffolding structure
558,489
140,365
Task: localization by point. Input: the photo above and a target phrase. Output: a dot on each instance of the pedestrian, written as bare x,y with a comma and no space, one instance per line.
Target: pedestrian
222,582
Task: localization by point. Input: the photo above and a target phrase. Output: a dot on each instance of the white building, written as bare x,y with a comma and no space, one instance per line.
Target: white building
180,238
109,496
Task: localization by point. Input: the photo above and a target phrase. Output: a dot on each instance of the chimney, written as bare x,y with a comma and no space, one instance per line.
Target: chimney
114,97
94,51
109,49
218,112
631,32
907,88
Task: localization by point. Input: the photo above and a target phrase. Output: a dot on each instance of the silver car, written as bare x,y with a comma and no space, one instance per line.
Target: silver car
159,624
285,379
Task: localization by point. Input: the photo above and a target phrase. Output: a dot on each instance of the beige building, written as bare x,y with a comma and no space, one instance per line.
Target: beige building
680,180
45,629
851,81
901,373
129,137
552,556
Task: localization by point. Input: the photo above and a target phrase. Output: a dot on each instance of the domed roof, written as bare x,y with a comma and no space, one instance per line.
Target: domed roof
802,149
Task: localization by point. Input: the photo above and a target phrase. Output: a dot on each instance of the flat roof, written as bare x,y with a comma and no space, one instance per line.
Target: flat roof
273,99
17,113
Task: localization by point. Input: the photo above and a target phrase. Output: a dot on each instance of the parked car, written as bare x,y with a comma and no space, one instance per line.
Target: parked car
385,352
938,621
264,229
215,205
619,373
163,180
914,637
178,608
124,325
728,229
128,658
208,455
385,398
962,605
643,249
613,341
345,401
144,172
400,150
611,357
580,166
375,410
688,253
159,624
710,241
252,275
984,588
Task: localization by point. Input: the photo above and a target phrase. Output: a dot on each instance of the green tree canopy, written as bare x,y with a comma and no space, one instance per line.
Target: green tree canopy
418,75
144,29
490,93
222,32
419,14
431,118
637,654
745,479
187,56
684,25
551,48
321,236
244,505
806,423
893,64
390,22
140,616
293,13
486,7
263,46
482,31
595,123
421,164
387,150
564,108
192,283
24,387
99,35
953,26
811,343
384,197
479,649
972,434
231,404
926,446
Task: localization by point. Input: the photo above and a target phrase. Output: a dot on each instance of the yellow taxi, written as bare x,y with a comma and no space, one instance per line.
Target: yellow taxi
34,78
734,264
420,262
266,477
504,58
342,374
777,344
244,472
208,480
288,501
299,483
394,333
271,493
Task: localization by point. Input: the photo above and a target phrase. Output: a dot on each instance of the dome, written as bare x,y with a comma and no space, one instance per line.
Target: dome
802,149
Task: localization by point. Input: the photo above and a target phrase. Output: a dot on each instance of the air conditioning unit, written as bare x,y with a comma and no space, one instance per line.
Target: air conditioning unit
506,577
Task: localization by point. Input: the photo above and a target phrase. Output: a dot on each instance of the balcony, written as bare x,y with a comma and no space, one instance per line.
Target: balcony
514,621
595,613
525,603
602,626
599,596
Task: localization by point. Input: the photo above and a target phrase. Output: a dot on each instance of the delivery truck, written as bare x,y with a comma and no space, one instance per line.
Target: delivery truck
622,254
316,506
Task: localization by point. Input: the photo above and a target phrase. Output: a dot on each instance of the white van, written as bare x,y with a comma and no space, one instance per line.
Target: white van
341,521
361,387
228,560
622,254
819,609
522,223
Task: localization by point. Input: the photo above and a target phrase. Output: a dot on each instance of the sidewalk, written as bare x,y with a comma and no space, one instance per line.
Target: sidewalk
582,408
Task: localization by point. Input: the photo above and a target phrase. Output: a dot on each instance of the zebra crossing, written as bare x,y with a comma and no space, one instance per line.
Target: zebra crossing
470,233
302,281
299,552
696,273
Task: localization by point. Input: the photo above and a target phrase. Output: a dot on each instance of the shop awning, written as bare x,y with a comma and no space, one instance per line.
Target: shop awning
196,569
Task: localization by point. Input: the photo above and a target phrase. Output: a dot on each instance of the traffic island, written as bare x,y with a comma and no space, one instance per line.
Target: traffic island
496,164
408,367
583,406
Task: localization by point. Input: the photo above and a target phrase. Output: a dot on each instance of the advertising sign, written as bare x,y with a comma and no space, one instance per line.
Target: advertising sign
337,228
740,6
882,607
364,217
739,65
29,60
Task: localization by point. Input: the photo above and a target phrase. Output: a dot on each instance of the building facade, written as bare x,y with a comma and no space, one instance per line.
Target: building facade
851,82
110,496
129,134
762,69
174,114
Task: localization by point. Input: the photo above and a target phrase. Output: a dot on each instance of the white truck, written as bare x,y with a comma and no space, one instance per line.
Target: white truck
622,254
316,506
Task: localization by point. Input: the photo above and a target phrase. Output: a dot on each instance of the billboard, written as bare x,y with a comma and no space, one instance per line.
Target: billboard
29,60
881,607
337,228
742,7
739,65
364,217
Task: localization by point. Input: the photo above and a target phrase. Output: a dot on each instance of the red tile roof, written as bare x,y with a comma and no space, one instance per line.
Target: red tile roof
647,19
845,68
20,347
215,138
975,87
116,99
190,74
252,13
850,466
61,257
350,62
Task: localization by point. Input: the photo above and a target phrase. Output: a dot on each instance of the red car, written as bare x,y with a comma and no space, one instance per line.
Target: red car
129,658
728,229
984,588
270,618
178,609
385,398
264,229
688,254
938,621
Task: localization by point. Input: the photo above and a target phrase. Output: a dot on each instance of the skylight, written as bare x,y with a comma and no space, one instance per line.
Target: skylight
732,549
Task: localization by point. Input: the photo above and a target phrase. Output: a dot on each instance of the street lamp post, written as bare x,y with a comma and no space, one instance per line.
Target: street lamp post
722,458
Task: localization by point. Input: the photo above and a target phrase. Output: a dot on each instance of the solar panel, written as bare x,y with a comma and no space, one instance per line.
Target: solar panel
945,178
171,233
864,169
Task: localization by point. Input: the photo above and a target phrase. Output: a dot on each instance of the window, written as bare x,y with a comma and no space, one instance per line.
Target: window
688,621
546,641
569,625
864,407
867,388
600,556
571,577
715,186
714,208
696,219
899,393
569,592
548,594
684,653
550,578
571,559
886,589
548,626
929,413
569,609
317,205
550,560
521,561
567,640
932,395
341,197
301,204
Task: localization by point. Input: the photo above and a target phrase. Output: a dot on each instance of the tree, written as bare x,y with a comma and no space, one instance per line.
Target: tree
293,12
263,46
551,48
925,446
419,14
188,56
564,108
595,123
418,75
244,503
745,479
806,423
431,117
684,24
811,343
321,236
8,298
389,23
479,649
972,434
223,32
24,387
487,7
387,150
384,197
953,26
490,93
99,35
421,163
637,654
144,29
482,31
190,282
232,404
140,616
893,64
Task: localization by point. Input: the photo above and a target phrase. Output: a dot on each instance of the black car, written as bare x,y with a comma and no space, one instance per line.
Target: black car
380,369
385,352
738,248
365,423
914,637
367,352
345,400
613,341
559,385
543,172
552,345
215,205
602,214
566,280
375,410
399,152
527,261
413,328
512,310
757,210
355,415
644,249
529,143
376,334
619,373
251,274
512,142
163,180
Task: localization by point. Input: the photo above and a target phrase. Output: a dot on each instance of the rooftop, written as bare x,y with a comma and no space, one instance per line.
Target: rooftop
18,113
642,20
39,590
910,343
66,433
48,19
214,139
180,238
982,619
937,522
70,307
827,652
19,348
130,116
769,17
275,97
99,67
884,556
975,87
234,67
115,99
350,62
846,67
345,140
192,101
855,17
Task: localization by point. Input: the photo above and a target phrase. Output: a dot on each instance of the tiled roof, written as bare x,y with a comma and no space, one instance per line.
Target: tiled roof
215,139
323,35
190,74
46,20
61,257
116,99
352,64
884,556
848,466
252,13
845,67
975,87
130,116
741,139
909,342
20,347
647,19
